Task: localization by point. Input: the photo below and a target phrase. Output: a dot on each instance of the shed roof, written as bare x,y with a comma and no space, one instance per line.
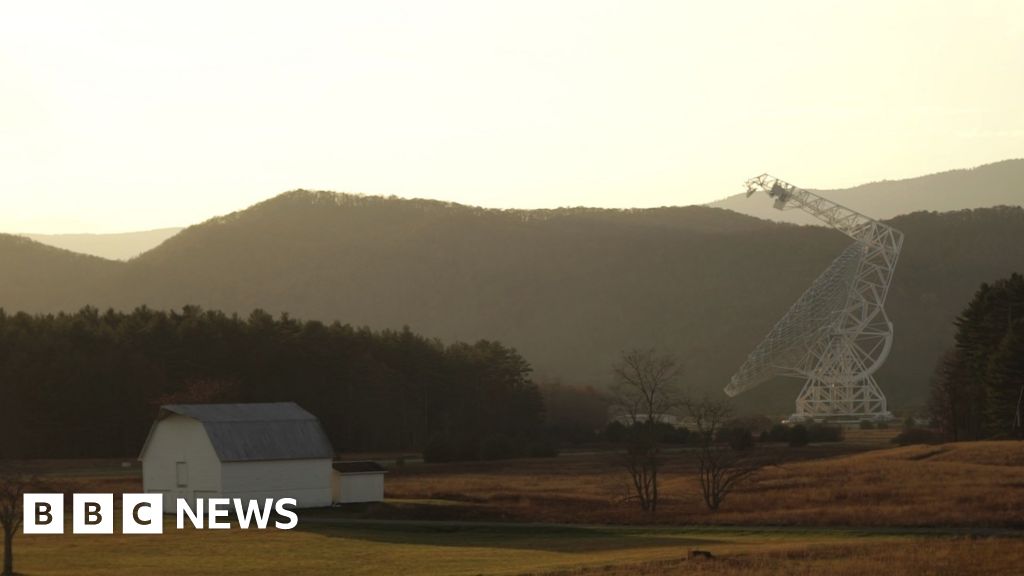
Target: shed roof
267,431
361,466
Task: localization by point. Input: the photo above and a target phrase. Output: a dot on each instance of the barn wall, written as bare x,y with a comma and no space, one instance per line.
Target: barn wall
358,487
308,481
180,439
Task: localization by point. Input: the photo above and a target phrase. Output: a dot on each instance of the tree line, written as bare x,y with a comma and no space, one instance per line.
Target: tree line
978,387
88,384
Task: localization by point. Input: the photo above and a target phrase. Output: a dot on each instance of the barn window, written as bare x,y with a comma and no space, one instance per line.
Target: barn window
182,469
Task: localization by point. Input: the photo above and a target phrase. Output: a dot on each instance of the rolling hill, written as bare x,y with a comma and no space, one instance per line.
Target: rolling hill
38,277
570,288
997,184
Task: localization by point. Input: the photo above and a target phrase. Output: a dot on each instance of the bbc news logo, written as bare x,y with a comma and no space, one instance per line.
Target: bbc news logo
143,513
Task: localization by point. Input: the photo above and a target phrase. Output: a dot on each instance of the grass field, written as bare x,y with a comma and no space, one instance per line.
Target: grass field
414,549
946,557
978,484
828,509
968,484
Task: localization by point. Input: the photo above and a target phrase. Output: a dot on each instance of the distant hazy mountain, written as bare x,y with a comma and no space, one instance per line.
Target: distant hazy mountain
570,288
120,246
998,184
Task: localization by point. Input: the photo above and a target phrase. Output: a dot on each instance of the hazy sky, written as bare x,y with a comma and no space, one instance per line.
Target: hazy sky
121,116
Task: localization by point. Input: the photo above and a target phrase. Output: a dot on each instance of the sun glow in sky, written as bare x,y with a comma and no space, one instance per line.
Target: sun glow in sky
119,116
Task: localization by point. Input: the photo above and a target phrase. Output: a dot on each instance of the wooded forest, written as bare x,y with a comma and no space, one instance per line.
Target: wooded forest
88,384
978,387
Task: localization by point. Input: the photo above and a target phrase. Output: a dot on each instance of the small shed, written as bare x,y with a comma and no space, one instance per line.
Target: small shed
354,482
249,451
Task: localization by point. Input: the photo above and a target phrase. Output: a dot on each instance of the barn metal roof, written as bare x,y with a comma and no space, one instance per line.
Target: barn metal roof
266,412
270,431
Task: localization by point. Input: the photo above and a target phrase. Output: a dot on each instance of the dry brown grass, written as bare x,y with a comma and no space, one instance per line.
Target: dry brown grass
932,557
978,484
430,549
873,438
95,475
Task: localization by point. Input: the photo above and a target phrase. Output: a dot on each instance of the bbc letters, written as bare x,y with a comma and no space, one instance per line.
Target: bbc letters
144,513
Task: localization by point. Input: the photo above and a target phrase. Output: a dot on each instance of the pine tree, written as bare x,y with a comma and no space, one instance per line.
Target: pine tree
1006,383
976,391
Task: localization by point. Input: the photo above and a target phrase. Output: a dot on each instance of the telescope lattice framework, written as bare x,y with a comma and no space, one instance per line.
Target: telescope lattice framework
837,334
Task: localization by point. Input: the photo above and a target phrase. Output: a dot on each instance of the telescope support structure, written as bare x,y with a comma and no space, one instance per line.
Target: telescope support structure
835,343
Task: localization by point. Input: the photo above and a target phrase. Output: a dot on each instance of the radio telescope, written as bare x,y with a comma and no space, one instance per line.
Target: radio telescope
836,335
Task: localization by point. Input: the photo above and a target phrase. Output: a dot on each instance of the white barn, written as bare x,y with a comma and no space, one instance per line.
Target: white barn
249,451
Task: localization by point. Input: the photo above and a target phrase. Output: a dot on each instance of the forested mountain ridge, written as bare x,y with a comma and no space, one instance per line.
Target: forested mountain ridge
568,288
996,184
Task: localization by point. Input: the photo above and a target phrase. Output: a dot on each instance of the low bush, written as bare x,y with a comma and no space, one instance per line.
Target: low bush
737,438
777,433
496,447
798,435
543,448
824,433
616,432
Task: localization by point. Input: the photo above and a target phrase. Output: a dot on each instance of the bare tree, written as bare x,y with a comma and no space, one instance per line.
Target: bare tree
720,467
14,483
644,395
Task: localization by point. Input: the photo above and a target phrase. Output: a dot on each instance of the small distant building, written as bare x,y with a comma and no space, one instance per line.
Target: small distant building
354,482
616,415
249,451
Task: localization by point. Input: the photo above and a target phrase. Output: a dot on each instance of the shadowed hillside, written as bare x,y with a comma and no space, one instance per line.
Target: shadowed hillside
997,184
34,276
568,288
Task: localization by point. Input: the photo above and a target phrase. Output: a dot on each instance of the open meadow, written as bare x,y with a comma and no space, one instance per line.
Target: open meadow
841,509
415,549
979,484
